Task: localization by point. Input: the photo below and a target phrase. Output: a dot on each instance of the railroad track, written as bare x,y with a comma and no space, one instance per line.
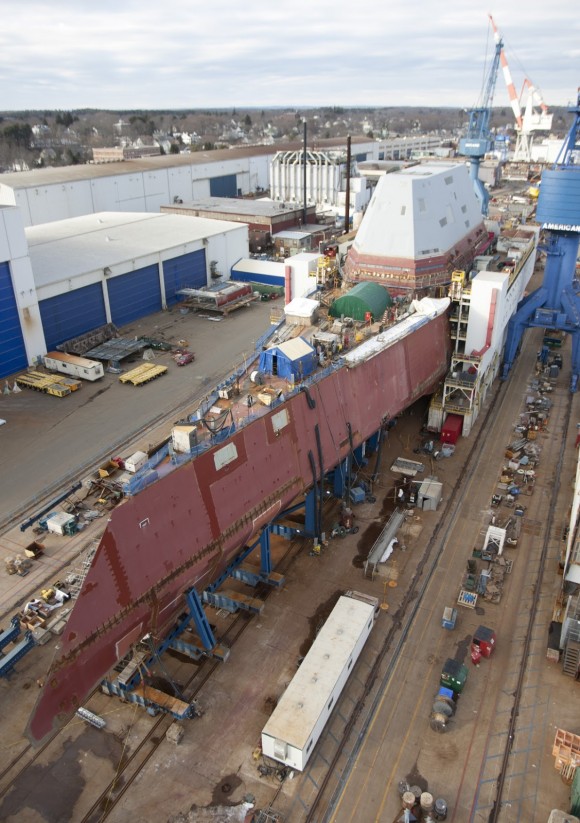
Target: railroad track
321,807
317,801
396,637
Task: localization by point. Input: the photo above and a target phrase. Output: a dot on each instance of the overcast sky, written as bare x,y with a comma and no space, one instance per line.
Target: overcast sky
129,54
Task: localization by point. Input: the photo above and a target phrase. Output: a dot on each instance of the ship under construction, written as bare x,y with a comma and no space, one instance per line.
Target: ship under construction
286,428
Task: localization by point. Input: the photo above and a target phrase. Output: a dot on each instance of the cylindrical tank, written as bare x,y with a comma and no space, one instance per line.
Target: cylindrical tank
440,809
416,790
287,284
426,802
403,787
408,800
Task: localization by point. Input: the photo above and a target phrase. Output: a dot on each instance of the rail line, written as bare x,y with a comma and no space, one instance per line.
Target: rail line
397,635
342,764
394,641
501,780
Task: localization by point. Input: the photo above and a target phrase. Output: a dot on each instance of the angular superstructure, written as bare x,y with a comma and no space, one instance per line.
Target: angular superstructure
421,224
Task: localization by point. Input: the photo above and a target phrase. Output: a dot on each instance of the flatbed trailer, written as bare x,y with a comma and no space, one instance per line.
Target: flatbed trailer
225,309
45,383
143,374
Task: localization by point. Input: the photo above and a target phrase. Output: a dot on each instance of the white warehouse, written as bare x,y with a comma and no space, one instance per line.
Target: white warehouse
60,280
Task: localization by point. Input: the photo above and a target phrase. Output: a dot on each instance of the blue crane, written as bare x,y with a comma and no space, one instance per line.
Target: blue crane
478,140
556,303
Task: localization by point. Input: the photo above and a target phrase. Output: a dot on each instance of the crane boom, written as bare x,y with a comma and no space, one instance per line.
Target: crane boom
507,76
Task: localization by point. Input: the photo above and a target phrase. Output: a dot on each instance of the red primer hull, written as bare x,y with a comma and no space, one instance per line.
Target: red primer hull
185,529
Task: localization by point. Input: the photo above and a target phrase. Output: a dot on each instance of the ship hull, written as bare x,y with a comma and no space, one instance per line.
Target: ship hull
184,530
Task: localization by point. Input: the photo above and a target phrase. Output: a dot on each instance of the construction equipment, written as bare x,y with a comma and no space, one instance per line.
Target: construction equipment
46,383
531,120
478,140
555,304
8,659
143,374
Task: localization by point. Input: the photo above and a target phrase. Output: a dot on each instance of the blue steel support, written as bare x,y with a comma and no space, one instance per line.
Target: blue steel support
339,478
8,635
374,441
11,658
556,304
200,619
265,556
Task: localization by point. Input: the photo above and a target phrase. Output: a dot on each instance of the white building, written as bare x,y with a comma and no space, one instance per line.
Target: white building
60,280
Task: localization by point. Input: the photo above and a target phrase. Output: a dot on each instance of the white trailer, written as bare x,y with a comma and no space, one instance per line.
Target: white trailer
73,365
302,712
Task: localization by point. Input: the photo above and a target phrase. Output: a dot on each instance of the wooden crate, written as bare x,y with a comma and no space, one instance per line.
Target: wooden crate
566,749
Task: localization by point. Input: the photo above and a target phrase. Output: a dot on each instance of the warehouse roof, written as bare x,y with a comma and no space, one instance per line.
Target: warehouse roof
68,248
66,174
236,205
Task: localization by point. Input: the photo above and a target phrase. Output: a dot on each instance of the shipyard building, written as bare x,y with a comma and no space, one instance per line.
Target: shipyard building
86,245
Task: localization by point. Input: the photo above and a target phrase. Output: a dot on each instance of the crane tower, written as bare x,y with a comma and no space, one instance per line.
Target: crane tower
478,140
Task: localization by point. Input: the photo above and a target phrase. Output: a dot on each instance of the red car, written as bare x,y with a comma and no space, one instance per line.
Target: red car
184,358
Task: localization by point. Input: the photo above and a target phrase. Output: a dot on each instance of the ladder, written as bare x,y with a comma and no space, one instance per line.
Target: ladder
571,657
76,579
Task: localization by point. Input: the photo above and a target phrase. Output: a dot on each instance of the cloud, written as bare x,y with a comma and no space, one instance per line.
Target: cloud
178,54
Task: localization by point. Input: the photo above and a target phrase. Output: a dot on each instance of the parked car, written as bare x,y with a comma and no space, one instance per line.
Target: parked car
184,358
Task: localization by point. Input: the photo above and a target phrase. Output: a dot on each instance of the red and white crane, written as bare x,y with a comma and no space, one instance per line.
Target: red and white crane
531,120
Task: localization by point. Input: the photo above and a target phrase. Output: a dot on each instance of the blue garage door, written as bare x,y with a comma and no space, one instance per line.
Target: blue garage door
225,186
73,313
134,295
187,271
12,351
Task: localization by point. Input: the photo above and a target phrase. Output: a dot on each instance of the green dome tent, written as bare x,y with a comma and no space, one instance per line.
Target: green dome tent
363,298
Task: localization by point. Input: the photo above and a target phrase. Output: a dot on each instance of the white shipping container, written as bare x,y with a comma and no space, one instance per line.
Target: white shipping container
302,712
74,366
136,462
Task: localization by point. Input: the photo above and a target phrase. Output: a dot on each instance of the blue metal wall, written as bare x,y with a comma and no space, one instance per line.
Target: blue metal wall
250,277
187,271
134,295
72,313
225,186
12,351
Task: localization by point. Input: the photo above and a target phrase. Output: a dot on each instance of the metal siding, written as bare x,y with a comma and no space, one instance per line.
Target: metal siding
225,186
71,314
12,351
134,295
188,271
252,277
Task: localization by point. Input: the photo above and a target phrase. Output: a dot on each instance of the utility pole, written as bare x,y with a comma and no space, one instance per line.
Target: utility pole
347,198
304,216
